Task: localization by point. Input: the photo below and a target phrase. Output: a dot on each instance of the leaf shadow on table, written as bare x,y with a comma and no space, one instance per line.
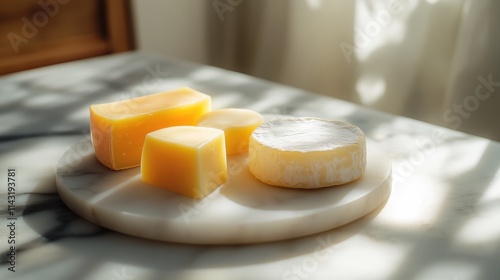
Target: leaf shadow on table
54,101
45,104
444,243
61,228
244,189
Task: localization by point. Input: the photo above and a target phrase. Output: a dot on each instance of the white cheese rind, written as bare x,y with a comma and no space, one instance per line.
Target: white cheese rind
307,153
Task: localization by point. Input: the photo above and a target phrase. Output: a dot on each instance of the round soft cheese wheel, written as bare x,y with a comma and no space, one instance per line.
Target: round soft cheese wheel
307,153
238,125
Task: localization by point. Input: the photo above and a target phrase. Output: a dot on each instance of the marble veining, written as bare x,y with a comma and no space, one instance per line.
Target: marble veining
440,222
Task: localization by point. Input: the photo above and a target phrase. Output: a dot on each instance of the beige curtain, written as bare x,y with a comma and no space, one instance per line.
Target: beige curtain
435,60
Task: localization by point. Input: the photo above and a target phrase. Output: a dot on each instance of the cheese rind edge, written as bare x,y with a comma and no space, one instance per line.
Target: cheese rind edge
188,160
118,129
307,153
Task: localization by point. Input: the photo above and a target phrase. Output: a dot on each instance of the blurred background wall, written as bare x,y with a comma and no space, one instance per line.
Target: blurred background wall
433,60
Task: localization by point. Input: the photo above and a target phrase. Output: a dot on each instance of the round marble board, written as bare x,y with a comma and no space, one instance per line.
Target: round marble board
242,210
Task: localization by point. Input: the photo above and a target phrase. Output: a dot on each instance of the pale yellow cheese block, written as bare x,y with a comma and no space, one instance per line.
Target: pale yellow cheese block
188,160
119,128
238,125
307,153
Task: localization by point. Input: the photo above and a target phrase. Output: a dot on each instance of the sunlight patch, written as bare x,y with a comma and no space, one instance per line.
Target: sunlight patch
481,230
449,270
314,4
370,89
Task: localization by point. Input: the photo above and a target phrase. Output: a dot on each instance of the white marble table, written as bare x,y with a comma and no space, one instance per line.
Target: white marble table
442,220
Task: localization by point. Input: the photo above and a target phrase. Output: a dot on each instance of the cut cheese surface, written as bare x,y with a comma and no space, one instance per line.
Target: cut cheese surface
238,125
187,160
307,153
119,128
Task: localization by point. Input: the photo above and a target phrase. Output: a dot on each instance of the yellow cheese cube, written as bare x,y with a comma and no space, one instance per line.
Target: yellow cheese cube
119,128
238,125
188,160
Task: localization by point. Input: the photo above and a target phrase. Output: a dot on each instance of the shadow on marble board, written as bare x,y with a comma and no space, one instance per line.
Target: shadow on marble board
245,190
85,176
47,215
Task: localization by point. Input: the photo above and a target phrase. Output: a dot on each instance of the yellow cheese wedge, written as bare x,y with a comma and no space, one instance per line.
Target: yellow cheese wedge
307,153
238,125
188,160
119,128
